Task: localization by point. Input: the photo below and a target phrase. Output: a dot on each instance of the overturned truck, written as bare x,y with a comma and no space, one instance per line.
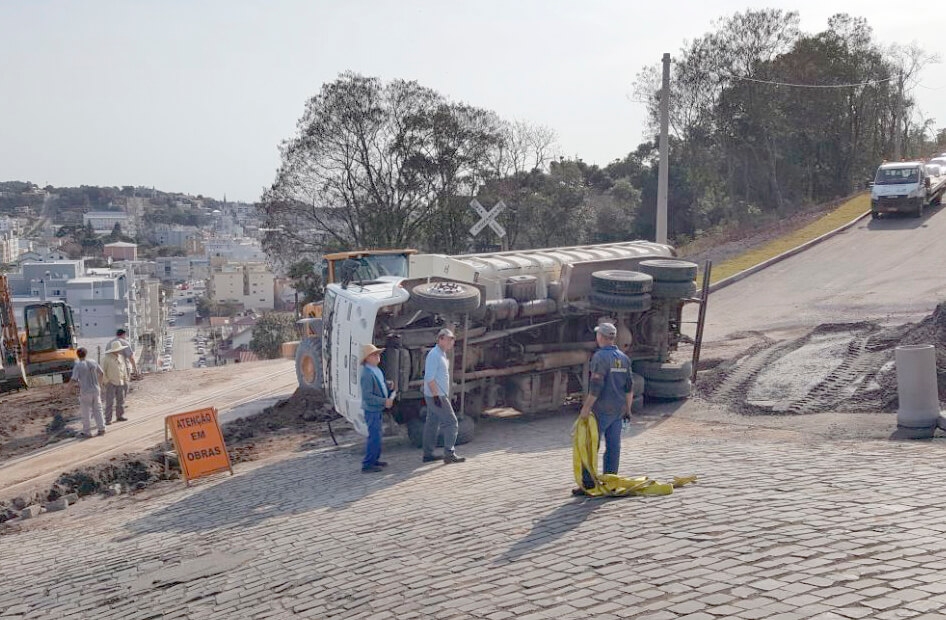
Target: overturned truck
524,324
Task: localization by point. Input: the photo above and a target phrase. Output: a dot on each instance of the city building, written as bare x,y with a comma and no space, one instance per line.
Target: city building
250,284
174,235
44,278
104,300
181,268
121,250
103,222
236,249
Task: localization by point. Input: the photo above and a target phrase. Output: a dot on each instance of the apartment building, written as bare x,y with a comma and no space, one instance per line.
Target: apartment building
251,284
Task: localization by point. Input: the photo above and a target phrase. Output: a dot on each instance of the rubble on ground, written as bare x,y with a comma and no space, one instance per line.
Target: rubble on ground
300,420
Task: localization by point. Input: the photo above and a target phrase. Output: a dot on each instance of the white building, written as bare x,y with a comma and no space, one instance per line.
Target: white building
104,300
181,268
104,221
252,284
235,249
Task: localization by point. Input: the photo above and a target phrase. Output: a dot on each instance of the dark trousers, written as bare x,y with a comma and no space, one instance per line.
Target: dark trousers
373,443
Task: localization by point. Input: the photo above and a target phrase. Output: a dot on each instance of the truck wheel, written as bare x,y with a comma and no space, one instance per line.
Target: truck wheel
622,282
667,371
611,302
919,208
669,270
467,428
637,384
669,390
415,431
874,215
673,290
309,363
446,297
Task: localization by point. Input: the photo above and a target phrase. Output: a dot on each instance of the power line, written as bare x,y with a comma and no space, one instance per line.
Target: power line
854,85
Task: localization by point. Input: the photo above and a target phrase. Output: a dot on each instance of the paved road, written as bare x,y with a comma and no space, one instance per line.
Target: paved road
781,526
890,270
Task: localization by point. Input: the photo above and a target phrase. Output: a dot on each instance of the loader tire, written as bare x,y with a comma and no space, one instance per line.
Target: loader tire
621,303
309,363
621,282
669,270
668,390
446,297
666,371
673,290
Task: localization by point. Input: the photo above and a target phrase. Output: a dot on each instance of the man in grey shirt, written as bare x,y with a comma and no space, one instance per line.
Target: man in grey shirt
87,375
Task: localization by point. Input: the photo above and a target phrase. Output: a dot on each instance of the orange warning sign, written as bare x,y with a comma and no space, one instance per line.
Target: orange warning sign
199,443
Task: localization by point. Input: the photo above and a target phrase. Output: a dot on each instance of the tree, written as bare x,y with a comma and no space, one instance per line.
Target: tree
306,280
270,332
379,165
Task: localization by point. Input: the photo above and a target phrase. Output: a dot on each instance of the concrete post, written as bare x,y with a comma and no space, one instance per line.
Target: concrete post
918,414
662,172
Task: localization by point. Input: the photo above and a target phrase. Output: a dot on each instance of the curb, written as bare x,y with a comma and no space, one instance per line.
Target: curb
745,273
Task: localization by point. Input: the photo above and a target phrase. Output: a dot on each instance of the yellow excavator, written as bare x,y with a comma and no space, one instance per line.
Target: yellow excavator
47,346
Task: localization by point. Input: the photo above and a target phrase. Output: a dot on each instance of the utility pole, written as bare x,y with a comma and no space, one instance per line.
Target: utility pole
662,172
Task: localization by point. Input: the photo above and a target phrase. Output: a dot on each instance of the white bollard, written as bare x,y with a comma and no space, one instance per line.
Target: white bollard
918,414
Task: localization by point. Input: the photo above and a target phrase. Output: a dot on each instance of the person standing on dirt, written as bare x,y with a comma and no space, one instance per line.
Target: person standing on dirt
440,414
375,398
116,381
128,354
610,393
86,375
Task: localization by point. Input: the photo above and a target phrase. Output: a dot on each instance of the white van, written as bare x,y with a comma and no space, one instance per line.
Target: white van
901,187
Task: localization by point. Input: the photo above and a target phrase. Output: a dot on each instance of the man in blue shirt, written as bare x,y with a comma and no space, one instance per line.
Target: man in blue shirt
375,398
610,394
440,415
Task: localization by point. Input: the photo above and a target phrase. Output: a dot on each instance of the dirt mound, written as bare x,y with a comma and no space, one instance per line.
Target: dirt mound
837,367
305,407
34,418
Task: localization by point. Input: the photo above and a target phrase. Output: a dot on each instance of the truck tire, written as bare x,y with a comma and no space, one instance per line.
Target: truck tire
309,363
673,290
637,384
668,390
669,270
611,302
465,432
667,371
446,297
415,430
621,282
919,208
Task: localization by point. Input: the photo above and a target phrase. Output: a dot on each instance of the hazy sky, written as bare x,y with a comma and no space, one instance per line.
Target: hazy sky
195,96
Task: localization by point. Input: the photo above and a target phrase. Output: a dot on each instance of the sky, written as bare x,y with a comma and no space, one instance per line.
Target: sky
195,96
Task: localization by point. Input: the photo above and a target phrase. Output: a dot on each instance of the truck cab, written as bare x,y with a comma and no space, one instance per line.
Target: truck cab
900,187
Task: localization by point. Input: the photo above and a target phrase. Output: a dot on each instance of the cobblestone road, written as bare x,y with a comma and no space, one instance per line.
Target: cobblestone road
780,526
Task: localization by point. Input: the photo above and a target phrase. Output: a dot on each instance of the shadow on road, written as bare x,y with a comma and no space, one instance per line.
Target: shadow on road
553,526
902,221
331,479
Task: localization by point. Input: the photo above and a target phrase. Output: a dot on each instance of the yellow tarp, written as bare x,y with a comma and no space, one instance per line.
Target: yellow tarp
585,463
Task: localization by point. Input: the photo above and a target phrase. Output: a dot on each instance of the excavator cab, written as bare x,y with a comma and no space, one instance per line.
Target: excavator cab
50,339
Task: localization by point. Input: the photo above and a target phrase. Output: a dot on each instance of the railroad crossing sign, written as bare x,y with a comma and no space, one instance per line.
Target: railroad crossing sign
487,218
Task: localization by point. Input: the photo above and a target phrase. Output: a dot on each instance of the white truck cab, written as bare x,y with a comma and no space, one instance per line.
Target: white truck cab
900,187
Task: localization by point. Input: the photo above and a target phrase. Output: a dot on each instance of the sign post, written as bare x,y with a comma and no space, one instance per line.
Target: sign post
488,218
198,441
